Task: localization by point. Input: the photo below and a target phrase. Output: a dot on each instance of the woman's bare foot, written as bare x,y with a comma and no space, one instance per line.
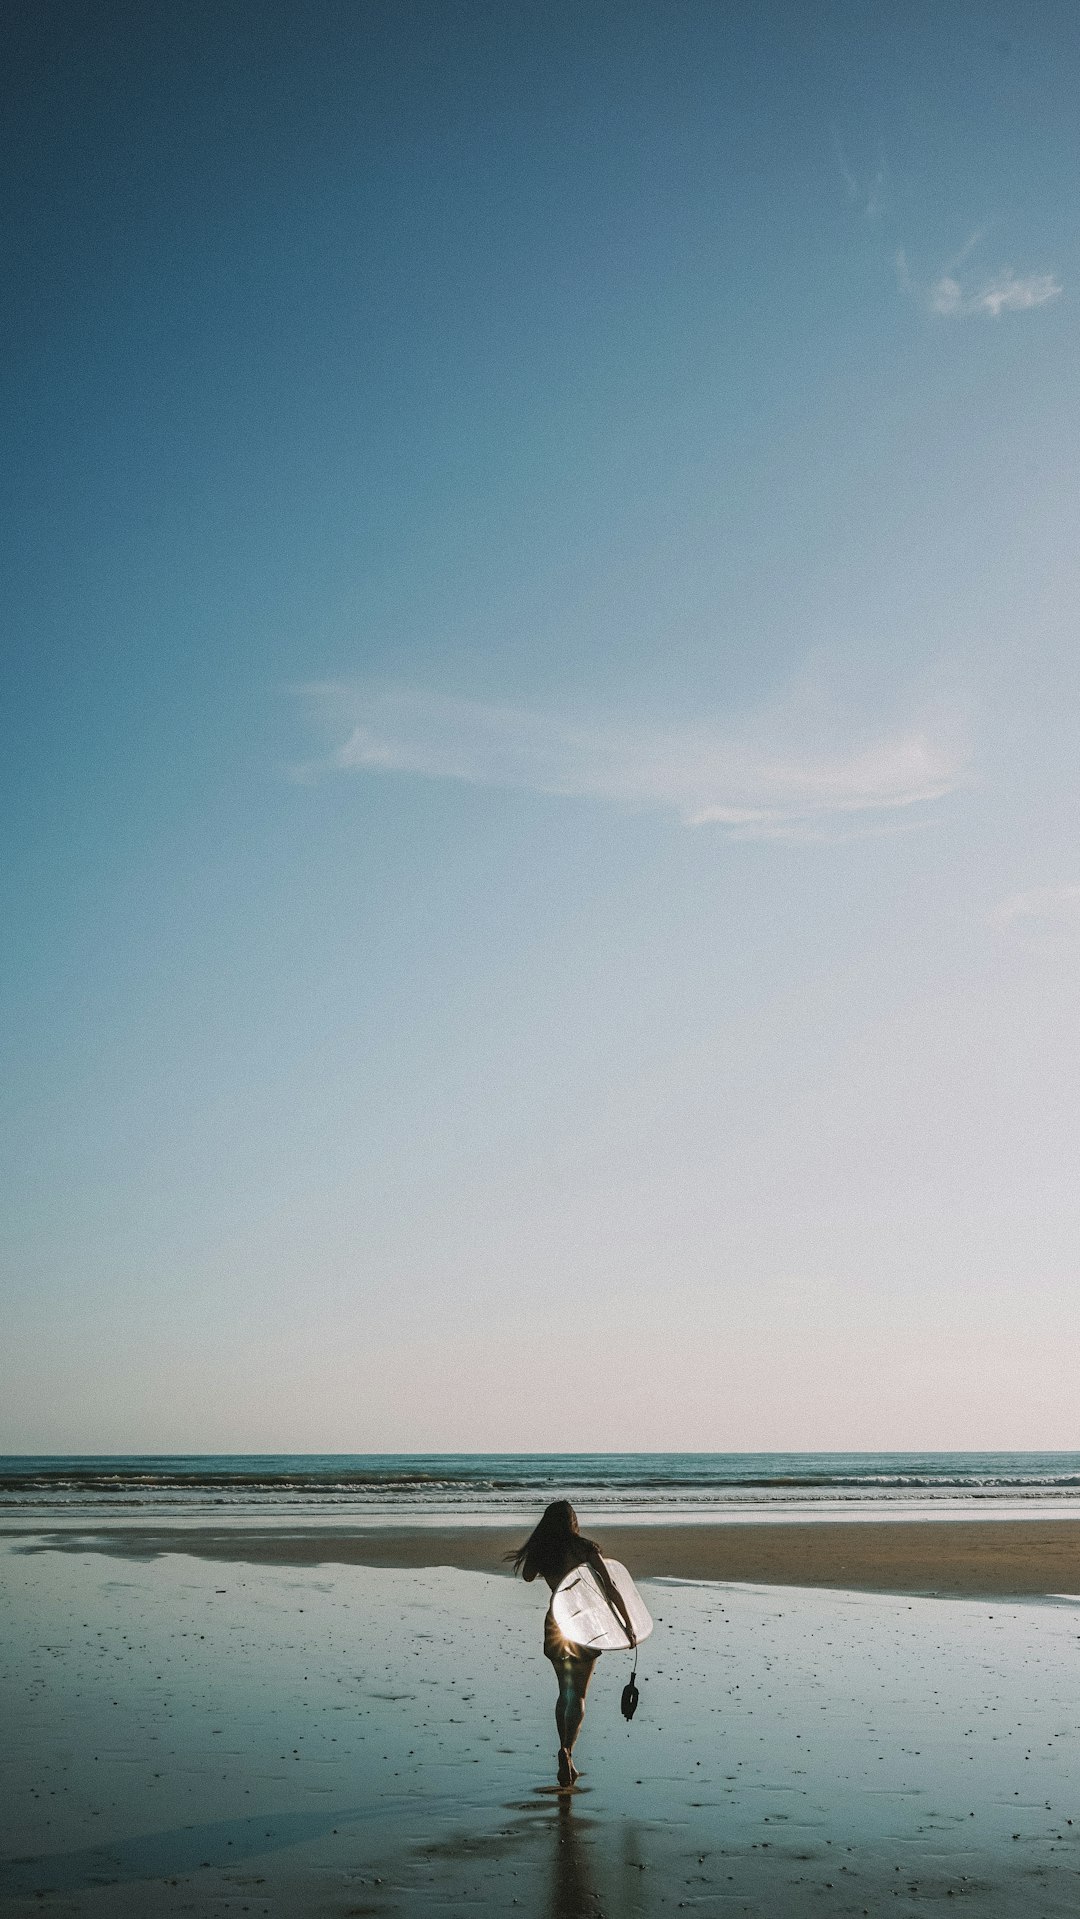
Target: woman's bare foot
567,1774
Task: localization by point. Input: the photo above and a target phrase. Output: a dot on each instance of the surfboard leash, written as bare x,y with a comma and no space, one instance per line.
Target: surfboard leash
628,1704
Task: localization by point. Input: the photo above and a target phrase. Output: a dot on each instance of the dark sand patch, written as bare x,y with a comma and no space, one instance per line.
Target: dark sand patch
993,1557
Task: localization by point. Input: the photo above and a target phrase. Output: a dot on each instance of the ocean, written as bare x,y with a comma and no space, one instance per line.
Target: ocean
474,1487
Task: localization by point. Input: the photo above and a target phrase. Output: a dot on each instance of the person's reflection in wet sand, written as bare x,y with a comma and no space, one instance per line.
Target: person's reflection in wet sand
572,1894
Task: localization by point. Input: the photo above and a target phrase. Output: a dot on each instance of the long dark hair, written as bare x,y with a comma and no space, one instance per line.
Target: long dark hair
554,1545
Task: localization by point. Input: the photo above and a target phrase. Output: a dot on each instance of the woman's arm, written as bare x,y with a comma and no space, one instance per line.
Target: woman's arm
612,1595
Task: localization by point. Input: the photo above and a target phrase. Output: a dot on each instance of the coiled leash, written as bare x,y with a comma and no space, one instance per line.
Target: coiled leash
628,1704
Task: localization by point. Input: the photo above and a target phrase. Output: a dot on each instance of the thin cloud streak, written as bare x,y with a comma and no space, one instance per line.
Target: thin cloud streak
863,193
752,787
1046,919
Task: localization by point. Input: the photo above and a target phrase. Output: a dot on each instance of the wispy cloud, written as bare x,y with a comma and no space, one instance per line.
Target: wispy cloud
863,191
1046,919
950,296
1004,294
952,291
756,784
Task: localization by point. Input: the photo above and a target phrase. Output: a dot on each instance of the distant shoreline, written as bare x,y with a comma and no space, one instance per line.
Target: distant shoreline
991,1558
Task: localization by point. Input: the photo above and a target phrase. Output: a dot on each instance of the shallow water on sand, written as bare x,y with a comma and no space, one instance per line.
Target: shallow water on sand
203,1738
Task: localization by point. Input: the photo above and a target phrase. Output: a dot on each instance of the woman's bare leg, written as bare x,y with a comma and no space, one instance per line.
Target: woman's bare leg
573,1676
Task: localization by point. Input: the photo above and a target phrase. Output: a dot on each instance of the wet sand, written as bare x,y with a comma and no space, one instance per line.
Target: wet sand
184,1735
984,1558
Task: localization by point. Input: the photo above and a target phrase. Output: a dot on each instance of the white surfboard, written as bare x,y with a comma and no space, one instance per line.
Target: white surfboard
584,1616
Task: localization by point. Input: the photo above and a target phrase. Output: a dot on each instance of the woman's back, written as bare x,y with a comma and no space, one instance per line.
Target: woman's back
578,1552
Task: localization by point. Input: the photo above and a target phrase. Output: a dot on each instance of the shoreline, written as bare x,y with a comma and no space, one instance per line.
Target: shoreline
971,1558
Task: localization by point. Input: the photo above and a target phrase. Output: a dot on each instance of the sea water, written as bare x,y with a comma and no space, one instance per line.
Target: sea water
488,1487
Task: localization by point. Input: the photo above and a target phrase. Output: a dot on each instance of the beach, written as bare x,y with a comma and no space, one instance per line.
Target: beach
965,1556
355,1723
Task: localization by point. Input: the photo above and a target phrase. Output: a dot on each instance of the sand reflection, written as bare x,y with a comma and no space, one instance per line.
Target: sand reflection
594,1866
572,1890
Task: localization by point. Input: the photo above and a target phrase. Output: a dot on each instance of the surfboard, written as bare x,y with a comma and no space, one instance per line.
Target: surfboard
584,1616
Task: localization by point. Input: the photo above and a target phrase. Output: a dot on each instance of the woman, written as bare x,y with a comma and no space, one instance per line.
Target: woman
552,1551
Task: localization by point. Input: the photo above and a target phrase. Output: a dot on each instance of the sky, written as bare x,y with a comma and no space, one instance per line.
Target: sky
539,845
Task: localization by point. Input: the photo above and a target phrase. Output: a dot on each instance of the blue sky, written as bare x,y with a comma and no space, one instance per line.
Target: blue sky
540,804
